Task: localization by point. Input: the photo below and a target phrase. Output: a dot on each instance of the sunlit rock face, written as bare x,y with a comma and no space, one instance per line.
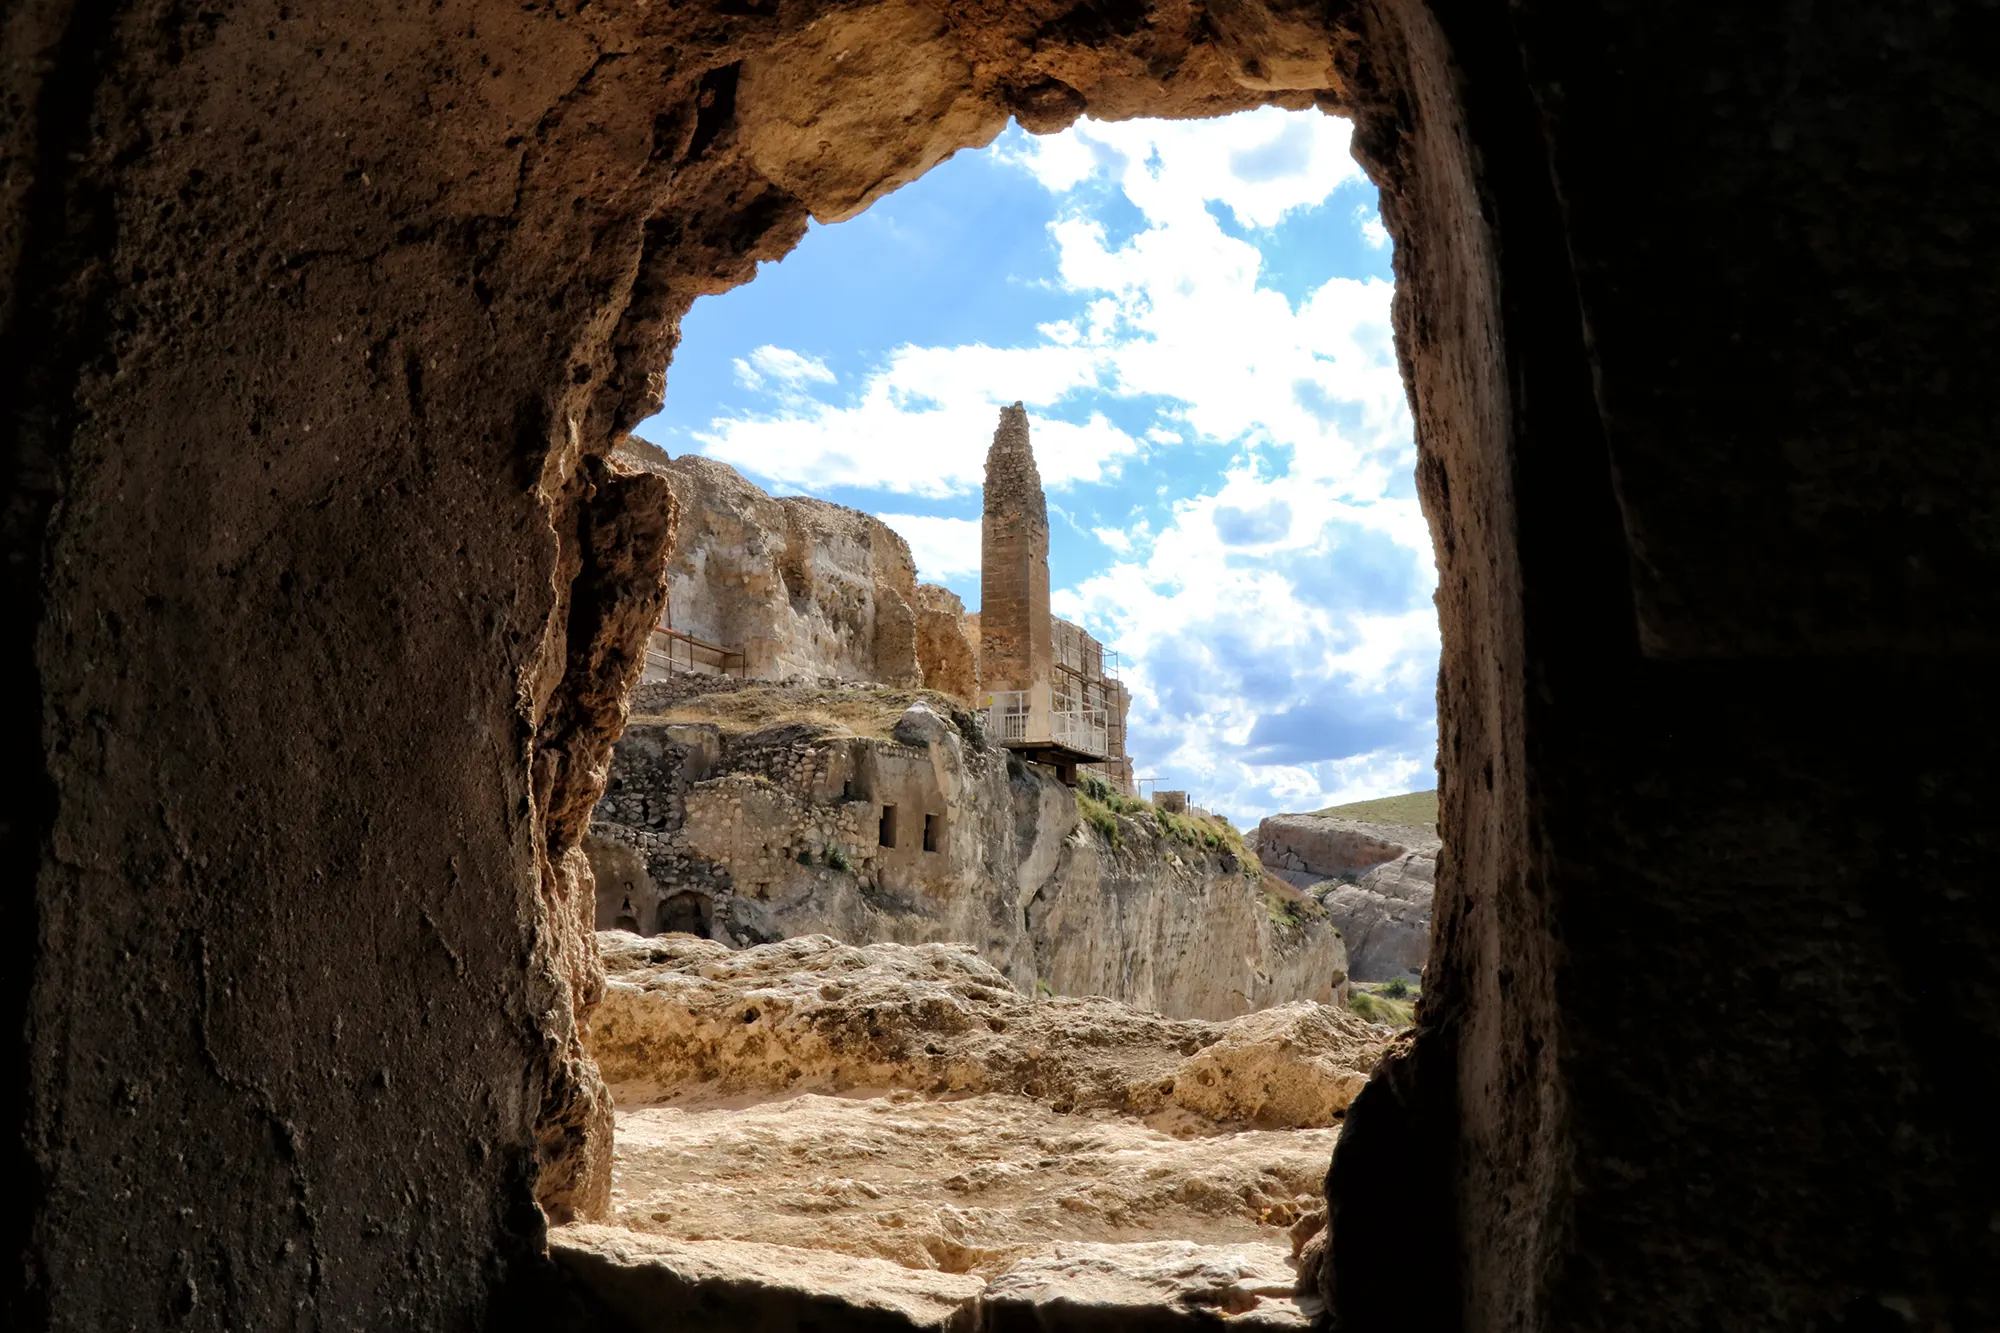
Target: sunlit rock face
794,585
318,326
917,1132
1374,880
748,813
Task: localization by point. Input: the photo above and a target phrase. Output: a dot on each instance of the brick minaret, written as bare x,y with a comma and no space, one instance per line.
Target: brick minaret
1014,629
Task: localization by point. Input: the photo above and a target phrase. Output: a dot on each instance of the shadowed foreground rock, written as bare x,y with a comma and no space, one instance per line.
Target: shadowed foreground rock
644,1284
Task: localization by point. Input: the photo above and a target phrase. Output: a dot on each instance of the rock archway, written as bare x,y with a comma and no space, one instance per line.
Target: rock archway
315,332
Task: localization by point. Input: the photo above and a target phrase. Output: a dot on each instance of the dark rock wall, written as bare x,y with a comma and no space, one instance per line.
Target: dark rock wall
1711,1015
312,321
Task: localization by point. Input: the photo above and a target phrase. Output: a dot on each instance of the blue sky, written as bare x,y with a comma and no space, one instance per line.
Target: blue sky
1196,315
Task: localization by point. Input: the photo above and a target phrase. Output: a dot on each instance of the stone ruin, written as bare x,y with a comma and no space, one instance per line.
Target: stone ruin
918,829
1044,688
776,588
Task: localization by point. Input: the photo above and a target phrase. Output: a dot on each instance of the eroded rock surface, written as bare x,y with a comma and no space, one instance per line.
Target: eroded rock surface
806,1120
1375,881
960,1184
813,1014
947,649
763,811
801,586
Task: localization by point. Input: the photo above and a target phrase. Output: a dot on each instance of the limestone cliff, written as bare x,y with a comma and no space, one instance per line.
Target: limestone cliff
1375,881
760,813
947,648
802,587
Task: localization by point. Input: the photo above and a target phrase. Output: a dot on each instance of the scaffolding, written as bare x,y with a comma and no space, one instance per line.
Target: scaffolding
668,650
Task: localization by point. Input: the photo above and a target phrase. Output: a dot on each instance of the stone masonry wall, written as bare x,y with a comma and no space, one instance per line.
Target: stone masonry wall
1015,635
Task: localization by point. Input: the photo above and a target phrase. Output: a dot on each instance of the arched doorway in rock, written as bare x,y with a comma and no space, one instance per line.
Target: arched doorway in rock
685,913
885,833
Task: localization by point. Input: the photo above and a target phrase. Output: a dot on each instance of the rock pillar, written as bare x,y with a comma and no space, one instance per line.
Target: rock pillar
1015,648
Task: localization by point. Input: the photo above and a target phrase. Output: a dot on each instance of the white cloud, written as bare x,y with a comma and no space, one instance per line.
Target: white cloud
1260,165
944,548
780,366
1232,616
1372,230
922,424
1278,616
1173,312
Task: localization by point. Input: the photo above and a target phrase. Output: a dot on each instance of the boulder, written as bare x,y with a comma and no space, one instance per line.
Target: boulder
1385,917
1375,881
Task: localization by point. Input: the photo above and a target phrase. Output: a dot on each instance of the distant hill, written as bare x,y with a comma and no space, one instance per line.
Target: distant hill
1416,807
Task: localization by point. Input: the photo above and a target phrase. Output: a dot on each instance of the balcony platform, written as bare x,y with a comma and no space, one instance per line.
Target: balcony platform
1064,759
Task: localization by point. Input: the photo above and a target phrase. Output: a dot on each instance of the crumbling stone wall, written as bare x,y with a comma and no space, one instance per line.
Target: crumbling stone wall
1015,647
946,652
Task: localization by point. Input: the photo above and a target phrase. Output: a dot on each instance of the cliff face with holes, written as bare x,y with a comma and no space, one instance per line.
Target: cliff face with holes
755,814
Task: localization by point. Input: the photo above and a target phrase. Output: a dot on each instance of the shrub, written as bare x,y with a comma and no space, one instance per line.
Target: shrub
1099,816
836,858
806,857
1379,1009
1396,989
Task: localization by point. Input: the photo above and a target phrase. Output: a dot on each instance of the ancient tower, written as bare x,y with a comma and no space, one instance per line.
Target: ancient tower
1014,631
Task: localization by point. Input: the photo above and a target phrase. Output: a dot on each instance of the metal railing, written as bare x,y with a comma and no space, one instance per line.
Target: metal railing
1080,729
670,650
1006,718
1006,722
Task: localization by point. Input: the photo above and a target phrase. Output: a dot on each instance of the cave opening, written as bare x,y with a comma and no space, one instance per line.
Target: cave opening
783,394
320,330
685,913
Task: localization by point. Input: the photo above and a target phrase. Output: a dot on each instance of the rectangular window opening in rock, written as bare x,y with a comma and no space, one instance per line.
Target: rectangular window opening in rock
933,832
886,834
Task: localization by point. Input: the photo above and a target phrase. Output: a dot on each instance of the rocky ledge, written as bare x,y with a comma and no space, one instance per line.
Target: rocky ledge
812,1131
1374,880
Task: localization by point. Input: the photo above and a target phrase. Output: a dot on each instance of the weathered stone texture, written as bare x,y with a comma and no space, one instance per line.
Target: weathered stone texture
1015,647
1375,881
781,831
947,653
685,1017
801,586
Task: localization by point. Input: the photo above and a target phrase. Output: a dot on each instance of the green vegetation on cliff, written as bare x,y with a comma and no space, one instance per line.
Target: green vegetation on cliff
1416,807
1101,804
